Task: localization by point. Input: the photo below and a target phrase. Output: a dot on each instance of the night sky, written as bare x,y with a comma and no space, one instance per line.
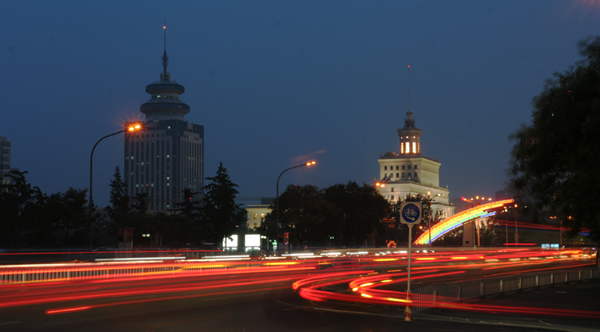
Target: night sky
277,83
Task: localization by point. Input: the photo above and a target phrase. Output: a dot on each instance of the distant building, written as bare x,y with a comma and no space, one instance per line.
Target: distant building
168,156
409,173
5,162
257,212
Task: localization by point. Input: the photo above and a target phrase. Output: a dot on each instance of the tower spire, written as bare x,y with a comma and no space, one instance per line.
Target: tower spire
164,76
409,111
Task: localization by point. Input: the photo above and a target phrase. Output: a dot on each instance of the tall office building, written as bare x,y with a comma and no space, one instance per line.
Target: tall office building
168,155
5,162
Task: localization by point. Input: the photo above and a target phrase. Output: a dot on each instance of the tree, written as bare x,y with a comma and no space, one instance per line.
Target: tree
360,209
67,212
305,214
17,199
220,215
555,159
189,205
119,200
140,203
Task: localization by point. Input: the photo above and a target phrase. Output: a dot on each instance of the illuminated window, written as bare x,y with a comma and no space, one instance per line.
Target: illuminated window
407,147
255,225
262,216
414,147
255,216
401,148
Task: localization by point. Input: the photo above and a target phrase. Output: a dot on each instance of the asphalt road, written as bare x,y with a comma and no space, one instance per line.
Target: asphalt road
259,302
283,310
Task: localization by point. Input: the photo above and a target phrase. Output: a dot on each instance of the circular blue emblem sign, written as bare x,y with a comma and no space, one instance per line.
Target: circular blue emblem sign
411,213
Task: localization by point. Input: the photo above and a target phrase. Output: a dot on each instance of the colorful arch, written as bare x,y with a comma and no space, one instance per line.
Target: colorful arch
457,220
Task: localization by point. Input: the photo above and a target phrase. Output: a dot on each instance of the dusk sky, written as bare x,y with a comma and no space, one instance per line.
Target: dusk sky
278,83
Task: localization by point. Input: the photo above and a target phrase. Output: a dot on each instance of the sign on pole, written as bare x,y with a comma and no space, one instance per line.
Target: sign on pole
410,213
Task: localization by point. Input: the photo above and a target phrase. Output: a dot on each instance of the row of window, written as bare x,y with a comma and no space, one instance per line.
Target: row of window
398,167
398,175
164,97
262,216
405,148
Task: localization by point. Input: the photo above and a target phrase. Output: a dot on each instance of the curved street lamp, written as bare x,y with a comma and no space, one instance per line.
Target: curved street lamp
310,163
133,127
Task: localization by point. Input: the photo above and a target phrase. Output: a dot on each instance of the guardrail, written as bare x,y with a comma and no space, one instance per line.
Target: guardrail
84,271
470,289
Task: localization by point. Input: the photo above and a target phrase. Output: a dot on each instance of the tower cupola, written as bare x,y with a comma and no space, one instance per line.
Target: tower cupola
164,103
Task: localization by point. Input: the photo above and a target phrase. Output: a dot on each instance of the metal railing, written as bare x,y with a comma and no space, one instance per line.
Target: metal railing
84,271
470,289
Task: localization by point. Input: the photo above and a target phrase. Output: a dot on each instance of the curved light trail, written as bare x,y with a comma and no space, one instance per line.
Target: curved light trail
459,219
367,287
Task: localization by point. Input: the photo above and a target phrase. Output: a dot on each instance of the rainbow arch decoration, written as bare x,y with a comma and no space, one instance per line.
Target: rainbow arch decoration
457,220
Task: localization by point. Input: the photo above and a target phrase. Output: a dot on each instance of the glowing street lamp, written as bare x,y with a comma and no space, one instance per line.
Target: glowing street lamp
132,127
307,164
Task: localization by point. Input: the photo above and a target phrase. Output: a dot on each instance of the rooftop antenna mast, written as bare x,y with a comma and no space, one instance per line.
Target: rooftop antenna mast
409,89
165,59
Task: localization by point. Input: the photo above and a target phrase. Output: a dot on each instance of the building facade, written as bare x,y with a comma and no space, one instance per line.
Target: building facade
409,173
5,161
168,155
257,212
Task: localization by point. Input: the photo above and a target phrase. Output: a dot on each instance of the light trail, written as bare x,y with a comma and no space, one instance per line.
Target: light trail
367,289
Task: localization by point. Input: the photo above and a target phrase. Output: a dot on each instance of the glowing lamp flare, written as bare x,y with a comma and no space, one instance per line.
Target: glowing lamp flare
135,127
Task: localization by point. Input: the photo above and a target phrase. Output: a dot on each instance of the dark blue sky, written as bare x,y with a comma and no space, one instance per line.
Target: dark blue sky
276,83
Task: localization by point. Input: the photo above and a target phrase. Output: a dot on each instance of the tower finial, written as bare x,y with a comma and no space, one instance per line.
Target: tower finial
164,76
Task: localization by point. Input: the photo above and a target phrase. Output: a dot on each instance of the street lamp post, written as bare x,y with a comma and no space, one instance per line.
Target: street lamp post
310,163
516,227
133,127
429,200
476,202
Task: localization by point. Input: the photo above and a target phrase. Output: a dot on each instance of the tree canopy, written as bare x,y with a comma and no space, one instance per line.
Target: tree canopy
219,214
555,159
343,214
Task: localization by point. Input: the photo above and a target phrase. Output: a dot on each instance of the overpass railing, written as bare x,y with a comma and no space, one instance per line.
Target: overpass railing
480,288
